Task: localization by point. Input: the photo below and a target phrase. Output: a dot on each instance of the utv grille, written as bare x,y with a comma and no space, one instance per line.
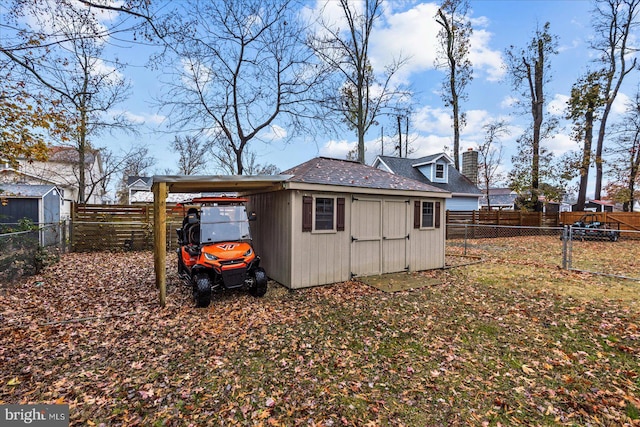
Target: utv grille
234,278
232,261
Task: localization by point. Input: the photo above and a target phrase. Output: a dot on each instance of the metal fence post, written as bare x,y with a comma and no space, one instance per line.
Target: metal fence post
565,230
466,227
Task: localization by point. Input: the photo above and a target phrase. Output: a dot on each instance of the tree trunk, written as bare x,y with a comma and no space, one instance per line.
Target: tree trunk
586,158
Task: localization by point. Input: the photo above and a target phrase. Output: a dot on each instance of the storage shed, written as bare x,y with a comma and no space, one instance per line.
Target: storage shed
336,219
38,203
325,221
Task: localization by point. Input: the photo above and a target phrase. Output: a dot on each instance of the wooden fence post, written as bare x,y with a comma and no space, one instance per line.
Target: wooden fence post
160,238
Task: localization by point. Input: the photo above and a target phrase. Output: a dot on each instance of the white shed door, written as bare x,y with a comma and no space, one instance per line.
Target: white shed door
394,236
366,237
379,236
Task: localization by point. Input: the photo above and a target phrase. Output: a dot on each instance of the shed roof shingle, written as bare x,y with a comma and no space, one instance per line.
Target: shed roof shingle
324,170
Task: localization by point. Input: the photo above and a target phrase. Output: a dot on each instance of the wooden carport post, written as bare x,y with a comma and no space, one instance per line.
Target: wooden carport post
160,238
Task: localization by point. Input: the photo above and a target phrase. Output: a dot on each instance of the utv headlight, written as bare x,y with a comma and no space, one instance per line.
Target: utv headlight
249,252
210,257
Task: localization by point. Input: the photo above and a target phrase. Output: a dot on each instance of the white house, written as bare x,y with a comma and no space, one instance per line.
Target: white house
61,169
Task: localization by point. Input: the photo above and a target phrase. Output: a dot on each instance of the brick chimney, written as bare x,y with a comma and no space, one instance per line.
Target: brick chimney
470,165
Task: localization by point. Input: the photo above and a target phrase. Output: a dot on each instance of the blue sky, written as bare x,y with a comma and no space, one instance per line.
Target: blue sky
408,29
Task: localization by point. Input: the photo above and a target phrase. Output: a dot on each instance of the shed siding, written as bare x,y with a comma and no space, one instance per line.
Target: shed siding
272,233
426,246
318,258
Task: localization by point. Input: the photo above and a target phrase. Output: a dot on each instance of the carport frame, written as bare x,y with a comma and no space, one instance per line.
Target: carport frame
165,184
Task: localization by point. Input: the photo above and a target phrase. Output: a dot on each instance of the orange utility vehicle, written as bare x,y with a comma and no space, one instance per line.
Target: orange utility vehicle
215,250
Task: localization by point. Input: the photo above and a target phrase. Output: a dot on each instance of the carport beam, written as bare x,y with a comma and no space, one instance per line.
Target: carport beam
160,238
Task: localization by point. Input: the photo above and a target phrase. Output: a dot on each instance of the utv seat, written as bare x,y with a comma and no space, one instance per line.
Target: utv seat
194,234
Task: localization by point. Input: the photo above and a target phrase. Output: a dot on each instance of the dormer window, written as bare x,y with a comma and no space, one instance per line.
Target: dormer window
439,171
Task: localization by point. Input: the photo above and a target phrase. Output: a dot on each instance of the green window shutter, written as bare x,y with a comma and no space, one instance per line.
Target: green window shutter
416,214
437,215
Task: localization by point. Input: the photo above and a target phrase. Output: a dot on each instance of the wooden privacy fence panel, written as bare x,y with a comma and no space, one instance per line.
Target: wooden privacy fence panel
626,220
119,227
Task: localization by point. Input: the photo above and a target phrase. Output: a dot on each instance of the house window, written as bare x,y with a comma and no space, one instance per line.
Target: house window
324,213
440,171
427,215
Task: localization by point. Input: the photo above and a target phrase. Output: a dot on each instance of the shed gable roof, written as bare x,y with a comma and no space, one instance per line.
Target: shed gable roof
26,190
324,170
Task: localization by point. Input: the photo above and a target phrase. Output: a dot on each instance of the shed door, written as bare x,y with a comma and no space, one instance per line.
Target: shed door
395,235
366,237
16,209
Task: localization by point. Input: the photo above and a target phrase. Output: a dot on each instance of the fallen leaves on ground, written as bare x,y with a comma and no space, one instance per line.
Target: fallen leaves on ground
89,332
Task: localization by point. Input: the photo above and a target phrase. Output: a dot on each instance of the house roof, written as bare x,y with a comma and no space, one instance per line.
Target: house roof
328,171
25,190
458,183
143,180
68,154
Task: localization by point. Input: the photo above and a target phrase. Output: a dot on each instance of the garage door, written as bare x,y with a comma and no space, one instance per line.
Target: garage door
379,236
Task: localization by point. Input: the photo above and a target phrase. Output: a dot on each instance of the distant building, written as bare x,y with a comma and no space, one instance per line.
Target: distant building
499,199
596,206
61,170
439,171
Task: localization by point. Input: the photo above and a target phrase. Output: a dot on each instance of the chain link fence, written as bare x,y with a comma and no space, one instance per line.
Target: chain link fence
25,249
605,251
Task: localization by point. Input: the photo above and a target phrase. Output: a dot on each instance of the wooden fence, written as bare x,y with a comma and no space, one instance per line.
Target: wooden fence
130,227
119,227
457,219
625,220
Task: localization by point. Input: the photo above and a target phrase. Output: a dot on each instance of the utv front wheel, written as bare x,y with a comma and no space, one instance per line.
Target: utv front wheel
202,291
259,287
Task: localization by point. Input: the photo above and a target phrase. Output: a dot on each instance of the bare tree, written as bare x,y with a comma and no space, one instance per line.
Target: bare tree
529,69
362,95
586,98
615,22
240,72
490,157
192,154
625,168
73,69
453,57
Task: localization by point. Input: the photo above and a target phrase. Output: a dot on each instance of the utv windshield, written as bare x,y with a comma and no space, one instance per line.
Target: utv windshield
223,224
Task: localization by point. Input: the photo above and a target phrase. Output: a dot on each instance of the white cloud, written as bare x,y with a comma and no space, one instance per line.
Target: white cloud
274,133
140,119
486,61
433,120
413,34
620,104
508,102
560,144
558,105
337,149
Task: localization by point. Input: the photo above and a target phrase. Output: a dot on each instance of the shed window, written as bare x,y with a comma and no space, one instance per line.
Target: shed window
427,215
440,171
324,213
